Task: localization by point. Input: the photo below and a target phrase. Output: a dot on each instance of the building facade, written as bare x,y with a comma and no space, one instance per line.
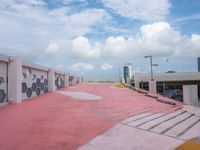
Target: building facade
127,73
21,80
169,84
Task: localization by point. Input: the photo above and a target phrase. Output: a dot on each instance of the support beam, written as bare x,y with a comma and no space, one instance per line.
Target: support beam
15,80
67,80
51,80
152,86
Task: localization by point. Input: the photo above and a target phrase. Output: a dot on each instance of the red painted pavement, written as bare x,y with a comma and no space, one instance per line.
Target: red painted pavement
56,122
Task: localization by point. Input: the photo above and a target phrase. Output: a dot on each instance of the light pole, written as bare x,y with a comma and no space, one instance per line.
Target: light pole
151,65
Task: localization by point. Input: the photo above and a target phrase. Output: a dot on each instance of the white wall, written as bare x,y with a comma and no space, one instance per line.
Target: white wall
3,82
187,76
34,82
59,80
20,80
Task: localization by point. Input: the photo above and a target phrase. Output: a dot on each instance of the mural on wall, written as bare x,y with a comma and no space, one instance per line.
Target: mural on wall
34,82
59,81
3,82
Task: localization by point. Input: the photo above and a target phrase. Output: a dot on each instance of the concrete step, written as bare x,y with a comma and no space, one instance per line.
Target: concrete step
168,125
153,123
192,132
136,117
184,126
140,121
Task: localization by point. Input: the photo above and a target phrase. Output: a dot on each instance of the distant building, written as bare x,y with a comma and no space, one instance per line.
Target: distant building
171,71
198,64
127,73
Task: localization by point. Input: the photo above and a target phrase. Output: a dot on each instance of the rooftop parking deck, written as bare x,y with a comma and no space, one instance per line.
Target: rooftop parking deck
71,117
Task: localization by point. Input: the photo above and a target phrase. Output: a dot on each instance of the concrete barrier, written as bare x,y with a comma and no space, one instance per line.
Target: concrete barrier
21,80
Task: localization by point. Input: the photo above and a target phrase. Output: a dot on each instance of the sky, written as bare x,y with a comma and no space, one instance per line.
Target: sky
95,38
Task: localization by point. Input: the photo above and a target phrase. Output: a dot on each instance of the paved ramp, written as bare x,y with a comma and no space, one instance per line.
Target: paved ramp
149,131
71,117
180,124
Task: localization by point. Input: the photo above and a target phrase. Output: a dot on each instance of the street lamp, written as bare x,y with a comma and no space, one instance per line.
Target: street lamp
151,65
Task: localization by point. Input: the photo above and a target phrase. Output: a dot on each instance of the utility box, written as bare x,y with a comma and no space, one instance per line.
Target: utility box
190,95
152,86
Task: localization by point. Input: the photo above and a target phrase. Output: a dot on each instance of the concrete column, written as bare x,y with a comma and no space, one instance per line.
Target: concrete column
51,80
190,95
67,80
137,84
15,80
152,86
74,80
79,80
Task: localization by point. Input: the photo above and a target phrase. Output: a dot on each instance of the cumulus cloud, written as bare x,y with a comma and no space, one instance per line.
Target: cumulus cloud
146,10
52,48
81,67
33,25
157,39
82,48
106,66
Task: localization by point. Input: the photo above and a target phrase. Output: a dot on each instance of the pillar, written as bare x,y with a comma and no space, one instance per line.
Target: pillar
51,80
67,80
152,86
74,80
15,80
190,95
137,84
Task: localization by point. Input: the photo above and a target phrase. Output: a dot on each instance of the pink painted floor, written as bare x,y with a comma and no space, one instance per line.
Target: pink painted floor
58,122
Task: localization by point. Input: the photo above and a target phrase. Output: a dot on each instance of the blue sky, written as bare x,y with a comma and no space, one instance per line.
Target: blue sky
96,37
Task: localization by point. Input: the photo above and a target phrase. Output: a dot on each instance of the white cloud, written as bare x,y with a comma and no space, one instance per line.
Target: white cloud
115,46
82,48
106,66
33,2
23,20
157,39
187,18
69,1
52,48
146,10
81,67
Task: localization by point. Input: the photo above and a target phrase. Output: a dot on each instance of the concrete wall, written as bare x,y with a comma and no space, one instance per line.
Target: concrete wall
72,80
167,77
59,80
3,81
34,82
20,80
159,77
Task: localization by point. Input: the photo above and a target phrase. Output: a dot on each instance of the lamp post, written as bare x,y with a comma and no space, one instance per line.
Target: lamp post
151,65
